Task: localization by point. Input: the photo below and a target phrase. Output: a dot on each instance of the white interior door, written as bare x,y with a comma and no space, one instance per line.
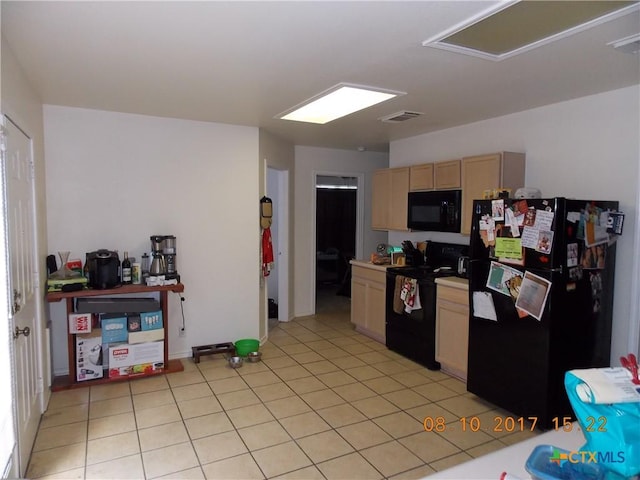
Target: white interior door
20,224
278,281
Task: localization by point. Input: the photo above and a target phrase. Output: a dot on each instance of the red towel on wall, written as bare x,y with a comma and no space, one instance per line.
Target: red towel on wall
267,252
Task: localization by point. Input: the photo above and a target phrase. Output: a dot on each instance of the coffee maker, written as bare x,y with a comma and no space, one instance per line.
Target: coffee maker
169,253
163,256
102,267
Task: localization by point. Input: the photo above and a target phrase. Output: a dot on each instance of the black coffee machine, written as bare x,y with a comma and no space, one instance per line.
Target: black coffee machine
103,266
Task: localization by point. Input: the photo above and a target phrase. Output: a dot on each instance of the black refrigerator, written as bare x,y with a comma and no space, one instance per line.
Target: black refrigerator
541,300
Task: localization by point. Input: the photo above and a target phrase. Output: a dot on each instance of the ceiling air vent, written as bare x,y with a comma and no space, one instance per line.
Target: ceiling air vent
400,116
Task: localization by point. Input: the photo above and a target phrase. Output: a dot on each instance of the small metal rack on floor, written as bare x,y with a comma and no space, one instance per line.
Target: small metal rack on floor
200,350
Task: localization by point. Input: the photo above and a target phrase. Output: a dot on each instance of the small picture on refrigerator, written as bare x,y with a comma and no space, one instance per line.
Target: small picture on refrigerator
572,254
497,210
593,257
545,240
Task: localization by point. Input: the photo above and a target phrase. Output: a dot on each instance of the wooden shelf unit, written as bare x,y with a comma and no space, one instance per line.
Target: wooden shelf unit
69,381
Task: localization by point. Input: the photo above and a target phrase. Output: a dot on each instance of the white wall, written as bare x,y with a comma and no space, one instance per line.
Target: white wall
583,148
114,179
326,160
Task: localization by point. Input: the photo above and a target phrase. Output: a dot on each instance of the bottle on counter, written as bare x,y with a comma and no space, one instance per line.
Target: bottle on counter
136,273
126,269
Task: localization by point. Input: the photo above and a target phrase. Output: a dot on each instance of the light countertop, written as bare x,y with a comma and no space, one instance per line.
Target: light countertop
373,266
455,282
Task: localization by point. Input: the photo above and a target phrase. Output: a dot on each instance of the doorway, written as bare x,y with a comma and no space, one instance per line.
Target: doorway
336,227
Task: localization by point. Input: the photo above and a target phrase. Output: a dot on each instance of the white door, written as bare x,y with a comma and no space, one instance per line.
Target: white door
20,225
278,281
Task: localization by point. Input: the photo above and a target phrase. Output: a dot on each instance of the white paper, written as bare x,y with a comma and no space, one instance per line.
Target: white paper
606,385
533,295
573,217
483,306
510,219
544,220
530,237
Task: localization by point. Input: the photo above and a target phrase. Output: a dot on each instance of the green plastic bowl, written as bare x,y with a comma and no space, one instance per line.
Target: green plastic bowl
247,345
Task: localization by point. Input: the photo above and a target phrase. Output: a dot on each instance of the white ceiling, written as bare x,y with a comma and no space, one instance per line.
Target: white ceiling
245,62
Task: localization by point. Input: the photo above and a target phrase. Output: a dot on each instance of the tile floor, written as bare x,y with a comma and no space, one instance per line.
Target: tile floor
325,403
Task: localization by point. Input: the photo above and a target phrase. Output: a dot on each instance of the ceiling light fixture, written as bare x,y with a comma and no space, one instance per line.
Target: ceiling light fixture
336,102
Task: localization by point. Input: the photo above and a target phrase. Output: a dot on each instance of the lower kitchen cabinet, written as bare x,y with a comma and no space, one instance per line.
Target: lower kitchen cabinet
368,297
452,325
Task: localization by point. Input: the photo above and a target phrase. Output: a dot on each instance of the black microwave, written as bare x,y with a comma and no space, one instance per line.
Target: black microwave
434,211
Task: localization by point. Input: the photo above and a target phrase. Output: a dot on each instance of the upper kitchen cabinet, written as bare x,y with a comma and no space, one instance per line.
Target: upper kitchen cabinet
421,177
446,175
438,176
488,172
389,201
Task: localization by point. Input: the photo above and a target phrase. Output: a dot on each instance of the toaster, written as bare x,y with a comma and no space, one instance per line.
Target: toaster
103,266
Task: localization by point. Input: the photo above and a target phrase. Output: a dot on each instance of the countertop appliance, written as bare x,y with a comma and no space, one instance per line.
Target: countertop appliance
163,256
518,356
103,268
434,211
414,334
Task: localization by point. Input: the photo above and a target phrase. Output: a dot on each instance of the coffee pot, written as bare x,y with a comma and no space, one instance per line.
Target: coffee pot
158,264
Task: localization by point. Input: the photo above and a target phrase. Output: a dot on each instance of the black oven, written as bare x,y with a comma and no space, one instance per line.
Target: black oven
434,211
413,333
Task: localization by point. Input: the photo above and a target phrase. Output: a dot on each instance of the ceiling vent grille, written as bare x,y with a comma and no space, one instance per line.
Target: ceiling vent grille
402,116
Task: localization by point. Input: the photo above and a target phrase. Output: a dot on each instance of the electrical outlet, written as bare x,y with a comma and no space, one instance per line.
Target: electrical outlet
182,332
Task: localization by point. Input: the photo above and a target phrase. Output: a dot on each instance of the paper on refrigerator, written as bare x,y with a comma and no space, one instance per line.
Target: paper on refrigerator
483,306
